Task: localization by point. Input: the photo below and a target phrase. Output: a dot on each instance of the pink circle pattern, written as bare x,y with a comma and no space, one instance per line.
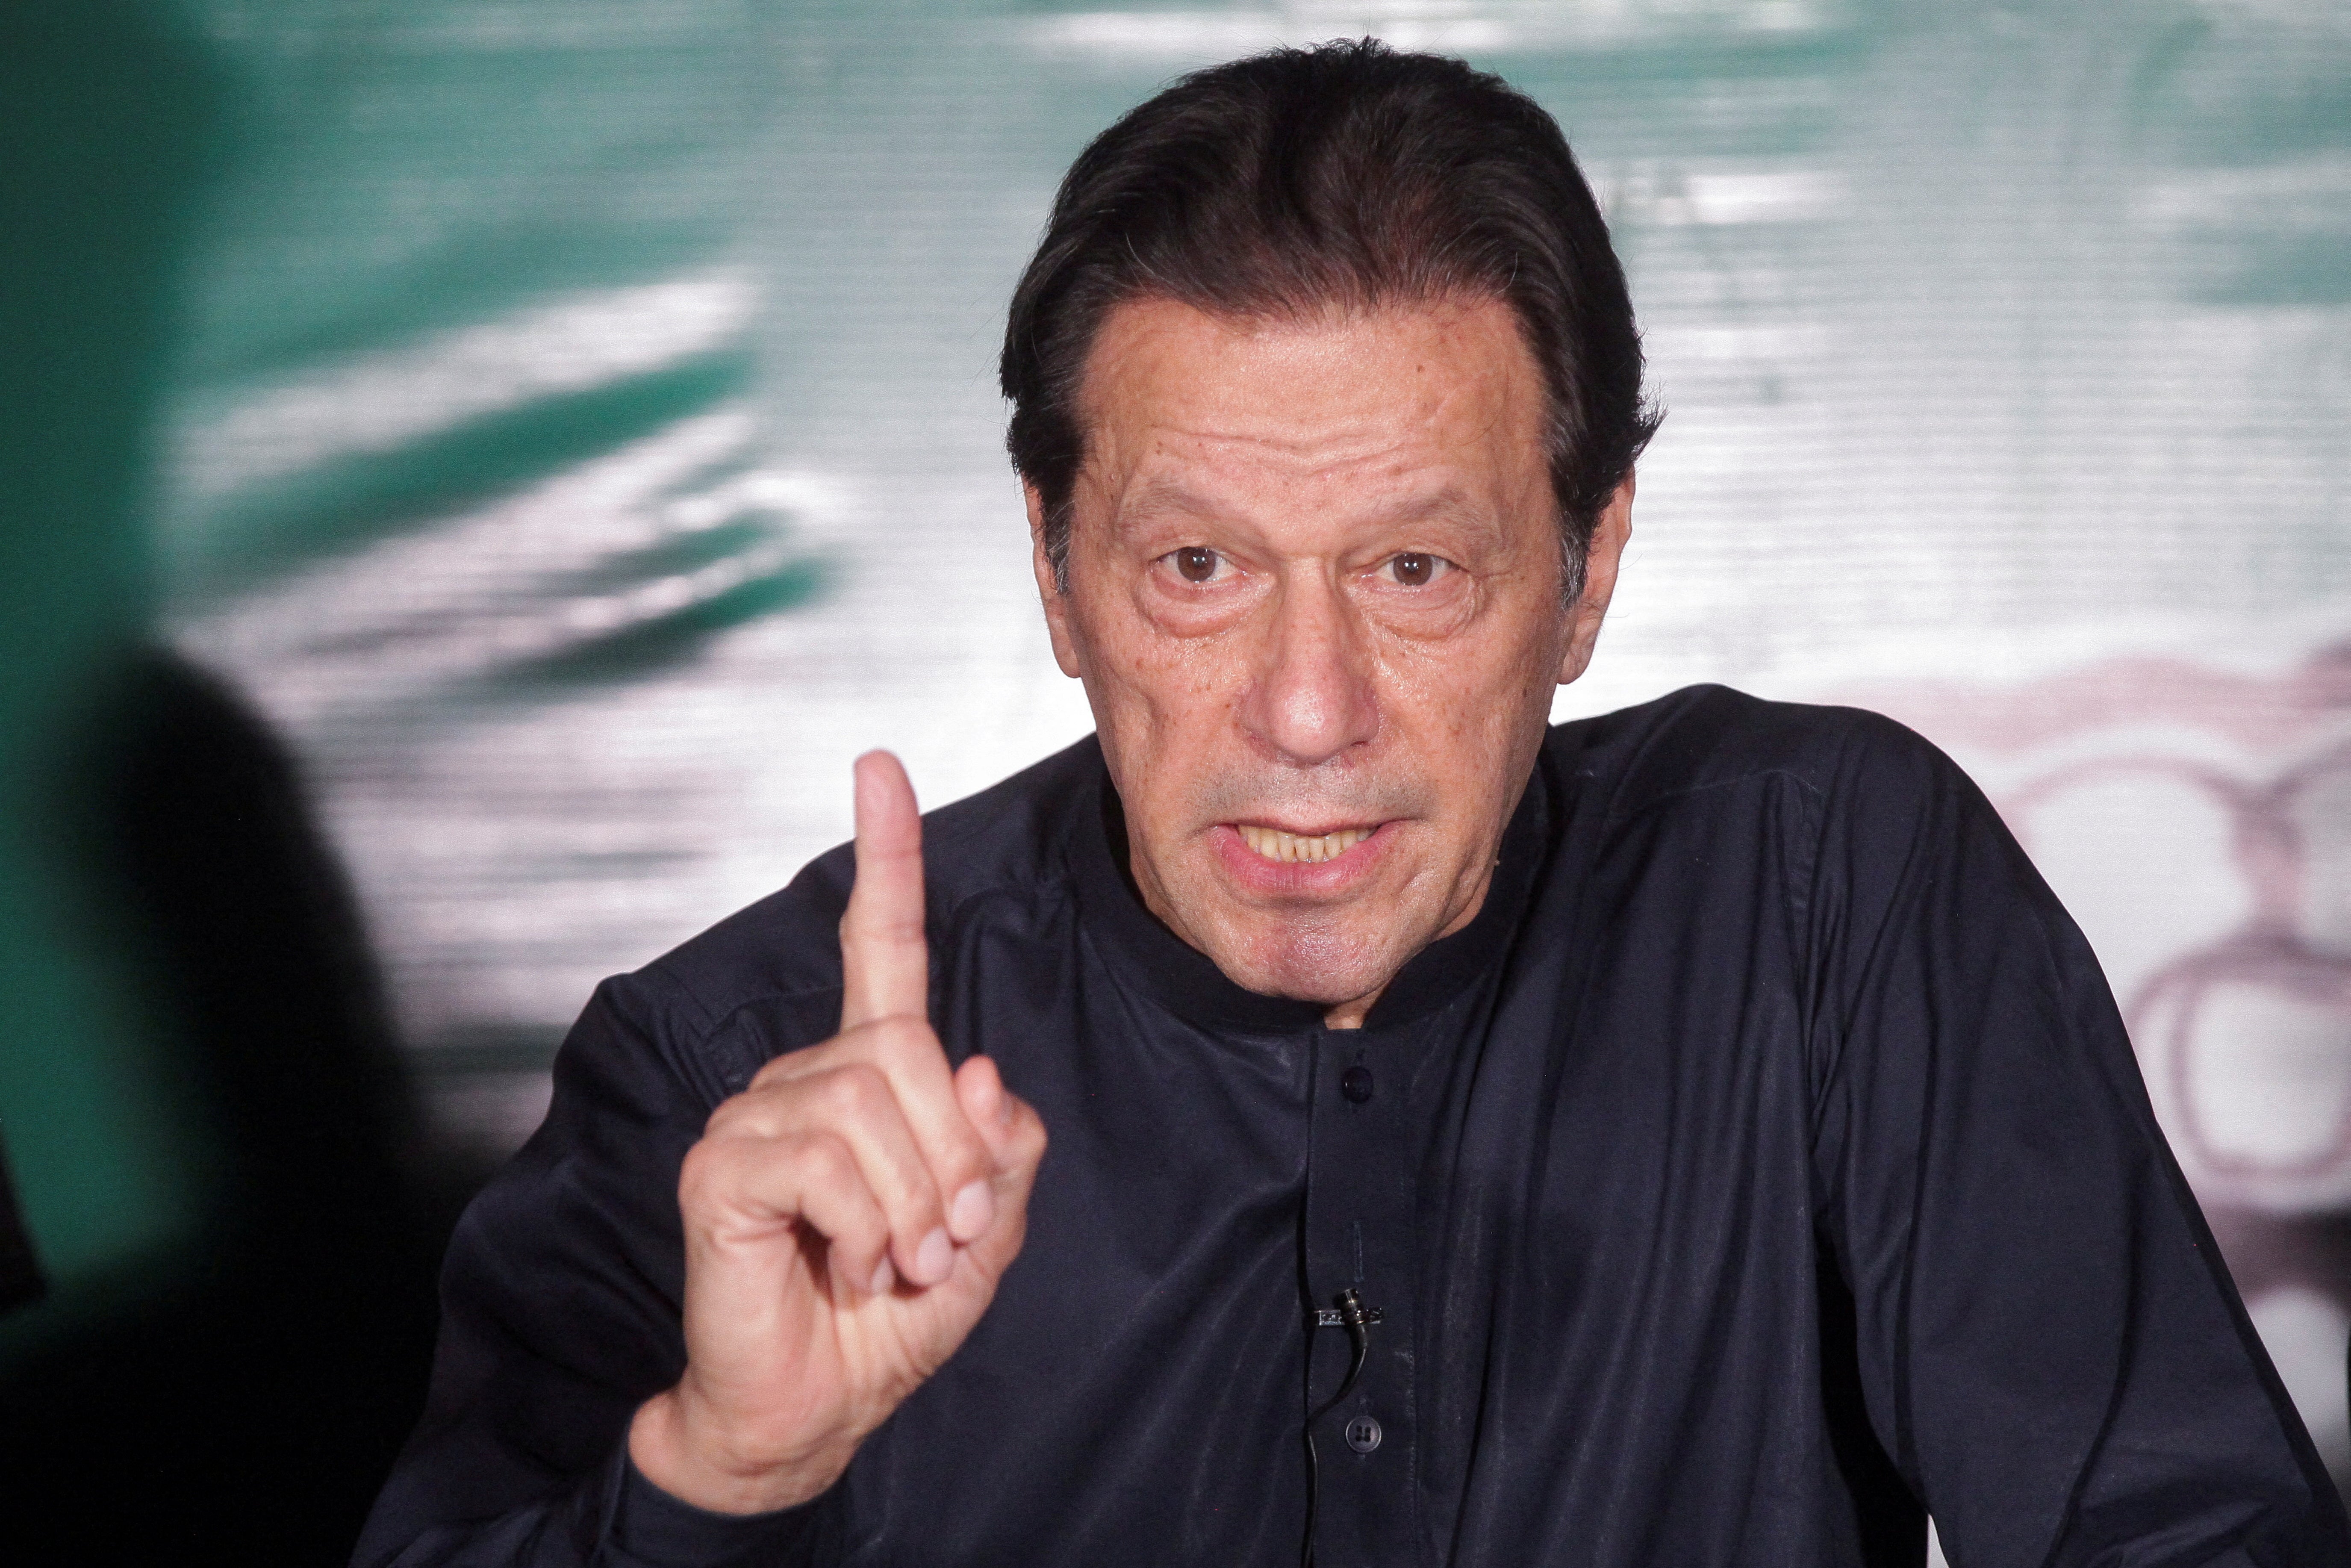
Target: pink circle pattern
2269,951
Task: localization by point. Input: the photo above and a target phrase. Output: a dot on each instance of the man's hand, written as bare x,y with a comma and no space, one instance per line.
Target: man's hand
847,1217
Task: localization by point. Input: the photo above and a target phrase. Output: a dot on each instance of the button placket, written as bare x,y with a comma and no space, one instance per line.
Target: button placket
1360,1222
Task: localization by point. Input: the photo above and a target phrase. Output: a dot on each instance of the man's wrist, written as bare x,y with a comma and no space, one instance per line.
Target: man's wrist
673,1451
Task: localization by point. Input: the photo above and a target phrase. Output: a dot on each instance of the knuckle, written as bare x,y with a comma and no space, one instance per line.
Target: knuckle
834,1197
855,1090
791,1065
915,1204
855,1211
747,1115
903,1035
825,1161
901,928
967,1156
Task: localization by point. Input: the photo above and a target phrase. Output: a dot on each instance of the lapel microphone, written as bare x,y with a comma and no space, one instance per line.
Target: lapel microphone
1357,1319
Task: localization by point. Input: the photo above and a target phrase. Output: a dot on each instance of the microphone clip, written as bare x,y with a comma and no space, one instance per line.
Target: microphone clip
1350,1314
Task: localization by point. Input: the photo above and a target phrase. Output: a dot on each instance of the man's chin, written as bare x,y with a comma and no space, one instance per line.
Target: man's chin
1322,968
1345,951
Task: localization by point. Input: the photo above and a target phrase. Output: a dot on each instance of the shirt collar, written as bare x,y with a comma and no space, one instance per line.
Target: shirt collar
1155,961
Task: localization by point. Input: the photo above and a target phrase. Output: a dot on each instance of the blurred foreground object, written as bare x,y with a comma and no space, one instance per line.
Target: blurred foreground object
238,1400
204,1118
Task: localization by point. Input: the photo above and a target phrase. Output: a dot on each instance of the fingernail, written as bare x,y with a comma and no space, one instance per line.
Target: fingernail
974,1211
883,1277
934,1257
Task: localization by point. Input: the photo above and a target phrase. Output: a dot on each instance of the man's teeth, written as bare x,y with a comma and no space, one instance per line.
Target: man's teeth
1275,845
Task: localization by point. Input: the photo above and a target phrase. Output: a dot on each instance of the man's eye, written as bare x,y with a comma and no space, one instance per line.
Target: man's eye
1416,569
1196,563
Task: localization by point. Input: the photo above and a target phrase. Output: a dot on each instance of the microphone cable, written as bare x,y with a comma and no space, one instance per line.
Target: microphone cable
1357,1319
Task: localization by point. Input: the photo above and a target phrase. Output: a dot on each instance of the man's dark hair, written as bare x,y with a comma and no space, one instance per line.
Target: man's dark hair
1349,175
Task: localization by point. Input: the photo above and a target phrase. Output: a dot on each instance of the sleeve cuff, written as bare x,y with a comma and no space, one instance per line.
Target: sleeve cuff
647,1528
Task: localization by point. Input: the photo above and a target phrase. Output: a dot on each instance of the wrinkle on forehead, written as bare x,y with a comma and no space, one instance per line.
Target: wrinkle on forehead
1286,385
1175,496
1416,408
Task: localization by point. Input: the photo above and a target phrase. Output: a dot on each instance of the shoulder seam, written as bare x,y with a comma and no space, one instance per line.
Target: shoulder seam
1683,791
710,1025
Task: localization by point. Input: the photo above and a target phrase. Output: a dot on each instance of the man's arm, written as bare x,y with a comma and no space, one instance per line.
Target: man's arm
2050,1347
560,1317
665,1327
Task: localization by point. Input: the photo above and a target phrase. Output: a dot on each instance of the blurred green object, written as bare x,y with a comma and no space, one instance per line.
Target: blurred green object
287,217
111,113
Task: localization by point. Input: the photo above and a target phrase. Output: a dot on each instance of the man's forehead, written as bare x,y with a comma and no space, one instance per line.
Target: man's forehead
1456,336
1412,400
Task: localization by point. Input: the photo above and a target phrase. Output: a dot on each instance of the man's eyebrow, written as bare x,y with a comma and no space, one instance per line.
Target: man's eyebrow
1165,494
1445,504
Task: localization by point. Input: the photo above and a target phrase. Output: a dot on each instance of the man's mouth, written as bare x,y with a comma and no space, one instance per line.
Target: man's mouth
1277,844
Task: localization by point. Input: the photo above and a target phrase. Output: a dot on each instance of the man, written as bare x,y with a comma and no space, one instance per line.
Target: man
1688,1136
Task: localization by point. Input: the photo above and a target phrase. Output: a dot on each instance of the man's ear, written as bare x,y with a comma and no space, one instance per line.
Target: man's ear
1600,563
1049,592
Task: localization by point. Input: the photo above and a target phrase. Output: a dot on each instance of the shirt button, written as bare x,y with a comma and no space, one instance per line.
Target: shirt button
1363,1434
1355,1083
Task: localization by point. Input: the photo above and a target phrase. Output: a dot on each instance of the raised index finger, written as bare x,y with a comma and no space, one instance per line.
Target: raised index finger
884,961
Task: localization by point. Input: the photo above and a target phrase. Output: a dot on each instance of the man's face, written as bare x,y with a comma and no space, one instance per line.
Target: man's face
1314,597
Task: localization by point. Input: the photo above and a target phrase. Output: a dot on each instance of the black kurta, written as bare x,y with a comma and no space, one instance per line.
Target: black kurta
1763,1166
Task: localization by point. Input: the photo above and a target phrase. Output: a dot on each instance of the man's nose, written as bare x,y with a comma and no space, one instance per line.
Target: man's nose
1312,697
